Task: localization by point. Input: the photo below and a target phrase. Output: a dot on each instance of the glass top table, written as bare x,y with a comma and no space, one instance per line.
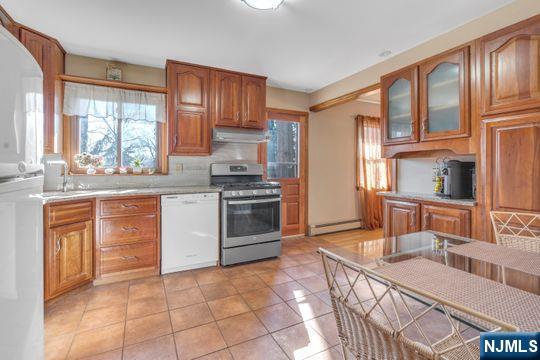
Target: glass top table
472,256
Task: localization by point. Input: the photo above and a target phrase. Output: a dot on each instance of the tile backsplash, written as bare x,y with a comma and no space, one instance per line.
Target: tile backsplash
183,170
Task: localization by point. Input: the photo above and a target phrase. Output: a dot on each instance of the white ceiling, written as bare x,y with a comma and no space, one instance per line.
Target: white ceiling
304,45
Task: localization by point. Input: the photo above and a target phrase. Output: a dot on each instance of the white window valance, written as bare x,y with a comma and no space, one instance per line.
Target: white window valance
101,101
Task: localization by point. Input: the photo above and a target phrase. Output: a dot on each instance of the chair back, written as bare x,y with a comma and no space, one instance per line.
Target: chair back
517,230
377,318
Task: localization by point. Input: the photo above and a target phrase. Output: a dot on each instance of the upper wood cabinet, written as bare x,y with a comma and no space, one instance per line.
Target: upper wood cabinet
228,99
446,220
399,107
511,68
401,217
201,97
189,109
444,96
240,100
254,102
50,58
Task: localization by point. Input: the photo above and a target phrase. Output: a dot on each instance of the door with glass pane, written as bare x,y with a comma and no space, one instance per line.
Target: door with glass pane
285,157
444,96
399,110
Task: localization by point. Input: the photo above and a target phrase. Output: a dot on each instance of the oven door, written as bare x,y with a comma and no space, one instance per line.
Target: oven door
251,221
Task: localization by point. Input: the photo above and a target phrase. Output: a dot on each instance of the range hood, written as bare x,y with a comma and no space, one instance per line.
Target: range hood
244,136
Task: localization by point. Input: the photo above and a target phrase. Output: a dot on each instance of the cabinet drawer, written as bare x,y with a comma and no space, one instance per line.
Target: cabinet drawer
128,206
70,213
115,259
128,229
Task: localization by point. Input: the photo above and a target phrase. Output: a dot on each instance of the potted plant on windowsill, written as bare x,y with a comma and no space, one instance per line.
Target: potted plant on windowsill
137,166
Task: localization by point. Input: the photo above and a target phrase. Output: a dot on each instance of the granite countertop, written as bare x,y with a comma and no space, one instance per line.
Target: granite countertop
428,197
53,196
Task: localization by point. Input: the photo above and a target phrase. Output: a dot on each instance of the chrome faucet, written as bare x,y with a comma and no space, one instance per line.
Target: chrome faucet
66,170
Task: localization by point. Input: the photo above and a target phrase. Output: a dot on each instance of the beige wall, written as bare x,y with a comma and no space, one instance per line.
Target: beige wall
96,68
510,14
332,182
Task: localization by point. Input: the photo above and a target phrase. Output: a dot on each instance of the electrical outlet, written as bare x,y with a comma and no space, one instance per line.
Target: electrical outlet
179,168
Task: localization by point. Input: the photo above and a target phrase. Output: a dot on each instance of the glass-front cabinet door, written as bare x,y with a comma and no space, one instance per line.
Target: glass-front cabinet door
444,96
399,107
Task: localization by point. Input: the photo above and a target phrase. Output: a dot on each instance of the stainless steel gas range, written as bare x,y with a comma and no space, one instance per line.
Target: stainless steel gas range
250,213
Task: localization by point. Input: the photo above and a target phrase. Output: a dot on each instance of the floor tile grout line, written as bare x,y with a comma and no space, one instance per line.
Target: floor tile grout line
170,320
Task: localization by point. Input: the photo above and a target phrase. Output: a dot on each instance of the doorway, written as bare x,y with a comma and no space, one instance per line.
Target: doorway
284,159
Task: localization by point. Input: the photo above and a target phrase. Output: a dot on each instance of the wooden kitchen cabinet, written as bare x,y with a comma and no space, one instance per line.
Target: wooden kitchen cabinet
239,100
70,253
253,102
69,246
50,57
227,99
399,107
401,217
201,97
128,238
446,220
510,78
512,156
444,96
189,109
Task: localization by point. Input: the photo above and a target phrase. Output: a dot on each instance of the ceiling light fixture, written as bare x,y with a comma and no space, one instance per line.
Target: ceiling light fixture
385,53
263,4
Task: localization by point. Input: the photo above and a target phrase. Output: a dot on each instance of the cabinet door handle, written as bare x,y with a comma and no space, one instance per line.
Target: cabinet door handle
130,206
130,258
426,222
175,142
413,220
237,115
58,245
130,228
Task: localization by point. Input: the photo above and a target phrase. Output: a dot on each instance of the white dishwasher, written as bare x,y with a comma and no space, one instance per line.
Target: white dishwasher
189,231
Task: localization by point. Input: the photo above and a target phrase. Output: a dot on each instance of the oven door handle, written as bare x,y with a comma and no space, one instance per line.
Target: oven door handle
260,201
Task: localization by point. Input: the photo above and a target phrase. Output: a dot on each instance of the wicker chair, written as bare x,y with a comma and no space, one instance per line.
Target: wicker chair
378,319
517,230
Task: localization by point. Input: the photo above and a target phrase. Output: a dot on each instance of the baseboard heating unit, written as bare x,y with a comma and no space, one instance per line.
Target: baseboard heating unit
319,229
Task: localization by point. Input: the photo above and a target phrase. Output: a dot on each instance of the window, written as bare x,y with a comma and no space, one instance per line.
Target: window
283,149
121,126
119,142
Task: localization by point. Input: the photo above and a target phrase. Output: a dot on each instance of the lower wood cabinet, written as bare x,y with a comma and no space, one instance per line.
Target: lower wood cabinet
128,238
446,220
69,247
404,217
401,217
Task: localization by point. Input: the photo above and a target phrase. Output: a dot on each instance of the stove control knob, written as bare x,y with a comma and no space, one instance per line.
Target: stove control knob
275,191
240,193
233,193
268,191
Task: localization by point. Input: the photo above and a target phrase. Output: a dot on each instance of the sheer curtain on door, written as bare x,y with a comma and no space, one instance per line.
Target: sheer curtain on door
372,171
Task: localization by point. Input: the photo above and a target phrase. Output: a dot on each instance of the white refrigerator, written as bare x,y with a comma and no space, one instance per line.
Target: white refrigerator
21,208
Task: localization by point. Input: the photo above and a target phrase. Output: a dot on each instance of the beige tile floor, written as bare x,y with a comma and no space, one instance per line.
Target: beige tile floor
274,309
